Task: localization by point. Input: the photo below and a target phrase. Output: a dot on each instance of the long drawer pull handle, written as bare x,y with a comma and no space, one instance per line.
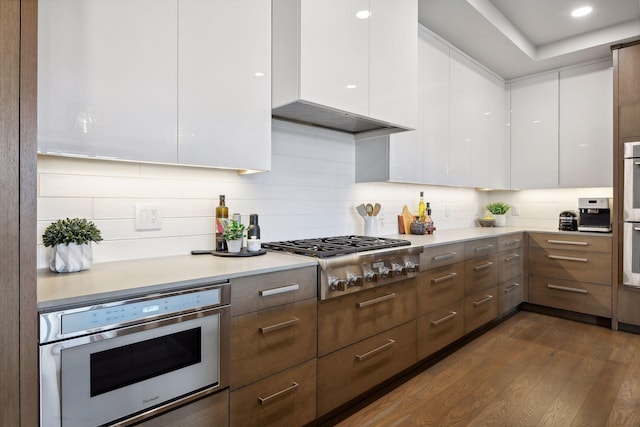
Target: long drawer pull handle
512,242
483,301
375,351
566,288
281,325
376,300
636,163
265,400
483,248
484,266
445,256
512,257
449,316
636,228
568,242
512,287
444,278
281,290
567,258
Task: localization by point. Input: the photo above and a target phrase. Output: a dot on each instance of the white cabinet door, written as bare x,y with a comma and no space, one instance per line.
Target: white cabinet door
433,105
224,83
334,54
534,132
393,61
586,126
107,78
498,135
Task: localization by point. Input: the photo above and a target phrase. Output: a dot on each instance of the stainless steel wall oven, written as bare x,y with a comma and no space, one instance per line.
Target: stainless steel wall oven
631,215
117,363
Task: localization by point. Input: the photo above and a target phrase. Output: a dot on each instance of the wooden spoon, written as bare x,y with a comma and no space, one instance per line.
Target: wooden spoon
369,209
376,209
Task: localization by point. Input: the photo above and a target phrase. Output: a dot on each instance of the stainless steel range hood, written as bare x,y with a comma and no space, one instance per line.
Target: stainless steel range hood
308,113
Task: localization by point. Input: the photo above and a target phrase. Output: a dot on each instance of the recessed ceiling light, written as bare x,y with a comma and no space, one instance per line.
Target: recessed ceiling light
363,14
581,11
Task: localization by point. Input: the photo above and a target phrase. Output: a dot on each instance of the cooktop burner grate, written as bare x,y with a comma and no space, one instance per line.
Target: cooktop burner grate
325,247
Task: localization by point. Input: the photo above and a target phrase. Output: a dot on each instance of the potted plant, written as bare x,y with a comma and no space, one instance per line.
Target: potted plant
499,211
233,234
70,242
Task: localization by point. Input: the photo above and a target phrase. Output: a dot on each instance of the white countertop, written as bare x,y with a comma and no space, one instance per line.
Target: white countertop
123,279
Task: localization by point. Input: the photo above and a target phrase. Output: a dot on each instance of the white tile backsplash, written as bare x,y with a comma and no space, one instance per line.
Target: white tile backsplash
310,192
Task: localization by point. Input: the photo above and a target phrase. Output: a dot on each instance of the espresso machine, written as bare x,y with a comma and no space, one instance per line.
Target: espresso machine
595,214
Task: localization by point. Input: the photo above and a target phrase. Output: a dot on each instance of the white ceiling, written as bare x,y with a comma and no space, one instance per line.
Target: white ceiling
514,38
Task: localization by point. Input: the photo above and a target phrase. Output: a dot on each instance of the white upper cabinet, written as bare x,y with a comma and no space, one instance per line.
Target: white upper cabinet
534,132
586,126
107,74
224,83
345,64
498,149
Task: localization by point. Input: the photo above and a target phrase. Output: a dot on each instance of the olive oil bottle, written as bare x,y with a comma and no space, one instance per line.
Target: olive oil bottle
222,219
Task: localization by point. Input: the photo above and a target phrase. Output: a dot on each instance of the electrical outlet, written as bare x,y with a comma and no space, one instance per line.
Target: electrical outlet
148,216
515,210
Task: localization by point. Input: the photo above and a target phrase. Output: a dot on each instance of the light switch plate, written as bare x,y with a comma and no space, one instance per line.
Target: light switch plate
515,210
148,216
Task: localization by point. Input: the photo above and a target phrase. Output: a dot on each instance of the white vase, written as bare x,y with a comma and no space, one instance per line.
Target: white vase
70,258
501,220
234,246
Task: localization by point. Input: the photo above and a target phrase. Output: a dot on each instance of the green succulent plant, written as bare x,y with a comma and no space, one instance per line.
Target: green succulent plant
74,230
233,231
498,208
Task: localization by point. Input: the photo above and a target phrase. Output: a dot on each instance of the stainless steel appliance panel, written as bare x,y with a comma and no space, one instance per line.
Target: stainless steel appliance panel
631,210
631,254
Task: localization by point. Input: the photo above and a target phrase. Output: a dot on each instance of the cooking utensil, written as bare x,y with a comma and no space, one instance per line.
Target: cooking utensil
362,210
376,209
407,218
369,208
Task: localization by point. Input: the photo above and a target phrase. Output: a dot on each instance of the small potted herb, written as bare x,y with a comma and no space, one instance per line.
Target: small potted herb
70,242
499,211
233,234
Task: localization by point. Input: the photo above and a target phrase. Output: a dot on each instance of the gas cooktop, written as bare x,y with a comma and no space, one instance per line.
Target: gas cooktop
325,247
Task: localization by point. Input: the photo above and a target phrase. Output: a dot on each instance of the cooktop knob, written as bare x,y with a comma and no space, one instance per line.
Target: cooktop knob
354,280
371,276
399,270
412,267
386,273
336,284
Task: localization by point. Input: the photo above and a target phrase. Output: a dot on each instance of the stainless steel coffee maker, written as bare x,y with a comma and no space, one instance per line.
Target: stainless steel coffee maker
595,214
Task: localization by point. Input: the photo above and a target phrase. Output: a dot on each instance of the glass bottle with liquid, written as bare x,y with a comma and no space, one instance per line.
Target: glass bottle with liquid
222,219
421,208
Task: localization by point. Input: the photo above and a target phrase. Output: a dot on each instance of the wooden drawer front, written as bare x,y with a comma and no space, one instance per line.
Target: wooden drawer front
437,256
253,293
209,411
440,287
510,242
571,265
270,341
284,399
480,248
480,273
570,295
570,242
480,308
628,303
510,294
349,372
343,321
440,328
510,264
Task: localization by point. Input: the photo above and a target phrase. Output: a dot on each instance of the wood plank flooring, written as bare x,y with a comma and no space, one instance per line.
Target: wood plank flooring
531,370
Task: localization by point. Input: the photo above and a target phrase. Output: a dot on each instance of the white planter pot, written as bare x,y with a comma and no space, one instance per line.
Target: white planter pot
234,246
501,220
70,258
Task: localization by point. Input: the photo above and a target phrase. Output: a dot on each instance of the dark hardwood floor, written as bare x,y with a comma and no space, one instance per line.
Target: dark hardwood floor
531,370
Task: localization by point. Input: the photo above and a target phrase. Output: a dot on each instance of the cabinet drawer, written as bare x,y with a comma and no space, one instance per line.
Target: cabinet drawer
480,273
270,341
345,320
440,286
206,412
570,295
285,399
437,256
349,372
480,247
440,328
510,294
253,293
480,308
573,242
510,242
571,265
510,264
